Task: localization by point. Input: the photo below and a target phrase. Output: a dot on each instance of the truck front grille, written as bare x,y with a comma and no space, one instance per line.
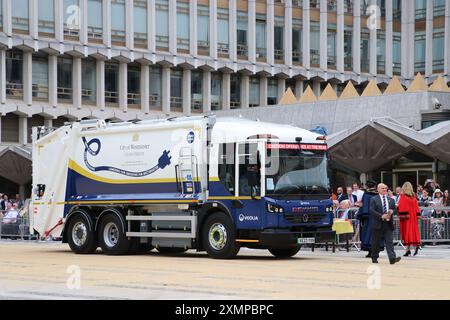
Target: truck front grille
304,217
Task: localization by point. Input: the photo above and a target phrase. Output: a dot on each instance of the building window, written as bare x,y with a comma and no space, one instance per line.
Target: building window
118,22
65,79
111,82
438,50
381,52
332,5
331,46
272,91
419,52
235,91
40,77
176,90
10,128
439,8
297,41
279,39
46,17
71,18
364,6
315,43
183,26
365,50
14,74
140,23
223,33
95,21
20,16
241,36
314,4
155,87
196,91
397,53
162,24
382,7
421,9
348,6
253,99
348,47
89,80
203,30
216,91
134,87
397,9
1,15
261,42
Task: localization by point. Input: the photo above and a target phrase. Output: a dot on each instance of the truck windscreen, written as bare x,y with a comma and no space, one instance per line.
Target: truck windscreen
300,172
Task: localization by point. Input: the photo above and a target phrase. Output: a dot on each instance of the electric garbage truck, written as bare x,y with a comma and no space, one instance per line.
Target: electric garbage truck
205,183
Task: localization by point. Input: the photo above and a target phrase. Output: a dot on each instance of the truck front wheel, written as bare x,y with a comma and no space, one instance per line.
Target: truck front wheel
81,238
219,237
112,238
285,252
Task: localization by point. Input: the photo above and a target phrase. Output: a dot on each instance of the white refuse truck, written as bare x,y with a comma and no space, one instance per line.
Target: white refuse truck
181,183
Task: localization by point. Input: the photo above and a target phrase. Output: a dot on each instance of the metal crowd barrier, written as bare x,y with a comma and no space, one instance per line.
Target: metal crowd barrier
434,226
20,229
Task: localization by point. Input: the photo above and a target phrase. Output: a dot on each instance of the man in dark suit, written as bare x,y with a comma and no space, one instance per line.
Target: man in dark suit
382,209
350,197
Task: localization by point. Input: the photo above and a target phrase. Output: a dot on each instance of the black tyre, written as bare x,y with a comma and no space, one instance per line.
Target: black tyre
112,238
81,238
219,237
167,250
285,252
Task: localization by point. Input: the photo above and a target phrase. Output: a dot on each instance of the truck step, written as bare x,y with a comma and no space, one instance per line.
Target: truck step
174,235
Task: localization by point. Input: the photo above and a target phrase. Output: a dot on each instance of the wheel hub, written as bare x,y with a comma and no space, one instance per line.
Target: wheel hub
111,234
217,236
79,234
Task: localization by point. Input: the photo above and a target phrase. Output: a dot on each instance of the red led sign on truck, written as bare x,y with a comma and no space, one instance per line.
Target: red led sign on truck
297,146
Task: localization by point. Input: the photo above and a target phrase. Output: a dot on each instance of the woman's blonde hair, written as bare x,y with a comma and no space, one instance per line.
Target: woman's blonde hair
408,189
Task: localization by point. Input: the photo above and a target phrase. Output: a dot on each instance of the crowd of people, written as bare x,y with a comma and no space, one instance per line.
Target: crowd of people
10,208
409,205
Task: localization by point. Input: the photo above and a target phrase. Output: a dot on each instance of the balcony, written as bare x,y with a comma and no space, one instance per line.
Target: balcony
111,97
140,40
183,44
297,57
162,42
242,51
278,54
118,37
14,90
40,92
176,103
331,62
261,54
315,57
197,103
88,96
235,104
134,99
95,34
155,100
65,94
223,49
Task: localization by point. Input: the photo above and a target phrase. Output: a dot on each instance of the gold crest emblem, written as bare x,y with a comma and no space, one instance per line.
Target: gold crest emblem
135,137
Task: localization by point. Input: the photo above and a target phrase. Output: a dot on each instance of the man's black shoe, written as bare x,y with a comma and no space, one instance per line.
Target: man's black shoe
374,260
396,260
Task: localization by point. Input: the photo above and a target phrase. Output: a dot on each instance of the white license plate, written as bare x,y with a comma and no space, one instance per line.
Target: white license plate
306,240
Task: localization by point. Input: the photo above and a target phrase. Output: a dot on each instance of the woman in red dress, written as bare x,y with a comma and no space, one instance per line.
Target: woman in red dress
409,213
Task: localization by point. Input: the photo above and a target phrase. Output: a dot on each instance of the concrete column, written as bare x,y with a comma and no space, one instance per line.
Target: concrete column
106,5
23,130
299,88
186,92
22,191
288,33
389,39
2,76
145,88
373,46
226,88
233,28
123,86
151,26
252,31
173,26
323,34
270,32
245,91
100,77
408,27
213,28
27,75
48,122
52,80
129,25
59,21
193,27
306,35
340,36
281,88
316,88
83,21
357,36
165,90
206,91
7,23
447,39
33,17
429,39
76,82
263,90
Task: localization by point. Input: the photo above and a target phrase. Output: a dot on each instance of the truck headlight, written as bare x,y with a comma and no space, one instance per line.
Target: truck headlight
272,208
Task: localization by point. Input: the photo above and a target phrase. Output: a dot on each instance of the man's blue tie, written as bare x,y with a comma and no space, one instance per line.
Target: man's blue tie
384,205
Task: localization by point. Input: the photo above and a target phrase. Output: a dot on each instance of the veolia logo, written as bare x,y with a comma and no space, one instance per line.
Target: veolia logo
190,137
247,218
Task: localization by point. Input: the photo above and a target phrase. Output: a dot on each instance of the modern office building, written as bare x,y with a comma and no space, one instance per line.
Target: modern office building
65,60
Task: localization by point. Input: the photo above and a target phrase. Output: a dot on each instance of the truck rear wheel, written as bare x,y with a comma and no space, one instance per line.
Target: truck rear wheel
113,240
167,250
81,238
285,252
219,237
